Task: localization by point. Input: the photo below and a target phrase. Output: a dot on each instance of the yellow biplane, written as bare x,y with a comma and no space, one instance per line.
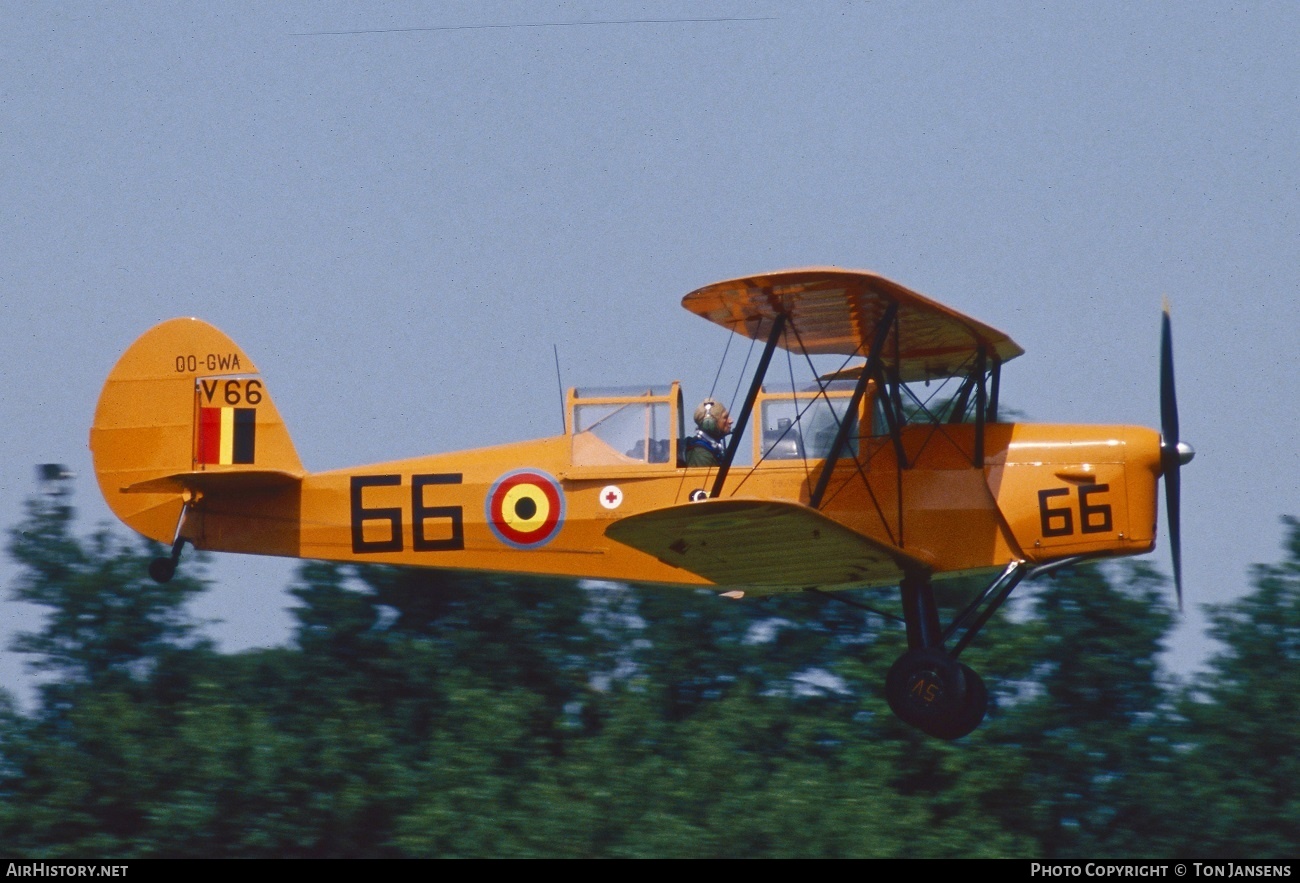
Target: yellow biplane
856,481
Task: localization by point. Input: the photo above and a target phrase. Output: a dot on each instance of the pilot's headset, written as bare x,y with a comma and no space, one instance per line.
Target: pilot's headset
708,416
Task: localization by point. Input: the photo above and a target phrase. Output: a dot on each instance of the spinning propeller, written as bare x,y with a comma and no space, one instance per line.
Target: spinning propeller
1173,452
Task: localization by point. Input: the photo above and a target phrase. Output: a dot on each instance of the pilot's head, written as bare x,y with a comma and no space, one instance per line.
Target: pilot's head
712,418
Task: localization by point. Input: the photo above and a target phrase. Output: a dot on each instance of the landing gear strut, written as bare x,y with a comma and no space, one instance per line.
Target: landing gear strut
927,687
163,568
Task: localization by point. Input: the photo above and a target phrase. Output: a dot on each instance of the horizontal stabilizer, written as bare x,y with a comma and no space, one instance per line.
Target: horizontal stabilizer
762,544
205,481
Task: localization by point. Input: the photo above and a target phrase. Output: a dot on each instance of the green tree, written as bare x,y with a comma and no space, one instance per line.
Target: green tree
424,713
1087,739
513,631
104,615
76,775
1244,721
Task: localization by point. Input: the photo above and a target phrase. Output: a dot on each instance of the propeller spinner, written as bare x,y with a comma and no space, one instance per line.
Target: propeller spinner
1174,453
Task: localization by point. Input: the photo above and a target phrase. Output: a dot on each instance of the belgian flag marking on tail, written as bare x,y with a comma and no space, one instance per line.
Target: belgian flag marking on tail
225,420
225,436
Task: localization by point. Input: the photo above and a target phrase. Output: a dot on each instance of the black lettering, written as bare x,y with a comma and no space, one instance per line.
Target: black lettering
1063,517
212,362
420,513
253,392
360,515
208,390
1094,518
232,395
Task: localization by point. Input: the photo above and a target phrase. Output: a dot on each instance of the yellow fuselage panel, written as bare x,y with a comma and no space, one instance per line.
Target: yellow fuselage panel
1045,492
1078,490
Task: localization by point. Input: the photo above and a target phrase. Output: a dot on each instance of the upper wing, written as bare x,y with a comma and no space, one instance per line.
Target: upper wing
765,544
836,311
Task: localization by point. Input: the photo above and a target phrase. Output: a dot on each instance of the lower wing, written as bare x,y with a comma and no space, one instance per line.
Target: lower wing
763,545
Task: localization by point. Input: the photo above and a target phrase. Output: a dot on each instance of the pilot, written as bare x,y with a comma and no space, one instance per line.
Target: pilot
705,448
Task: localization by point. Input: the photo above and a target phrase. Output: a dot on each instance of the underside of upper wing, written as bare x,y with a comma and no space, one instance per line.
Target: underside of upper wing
830,310
762,546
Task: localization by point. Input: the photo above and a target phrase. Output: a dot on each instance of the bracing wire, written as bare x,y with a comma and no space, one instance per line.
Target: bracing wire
740,378
722,361
835,596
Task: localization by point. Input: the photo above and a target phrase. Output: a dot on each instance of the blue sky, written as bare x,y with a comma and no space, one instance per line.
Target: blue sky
399,226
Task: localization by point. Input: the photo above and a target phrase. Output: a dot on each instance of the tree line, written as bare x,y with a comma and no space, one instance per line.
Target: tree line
427,713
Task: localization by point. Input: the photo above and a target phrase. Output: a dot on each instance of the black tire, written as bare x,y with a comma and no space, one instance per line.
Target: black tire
161,570
965,719
927,689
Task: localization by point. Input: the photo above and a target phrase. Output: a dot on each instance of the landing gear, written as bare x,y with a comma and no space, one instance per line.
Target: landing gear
939,696
971,713
161,570
927,687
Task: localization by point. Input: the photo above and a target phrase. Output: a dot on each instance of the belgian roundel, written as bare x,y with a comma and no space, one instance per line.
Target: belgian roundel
525,508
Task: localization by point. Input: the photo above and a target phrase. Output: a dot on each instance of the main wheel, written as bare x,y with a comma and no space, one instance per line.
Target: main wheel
927,689
161,570
966,718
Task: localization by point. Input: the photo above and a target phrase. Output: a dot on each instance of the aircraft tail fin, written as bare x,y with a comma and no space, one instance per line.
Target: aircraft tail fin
184,409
